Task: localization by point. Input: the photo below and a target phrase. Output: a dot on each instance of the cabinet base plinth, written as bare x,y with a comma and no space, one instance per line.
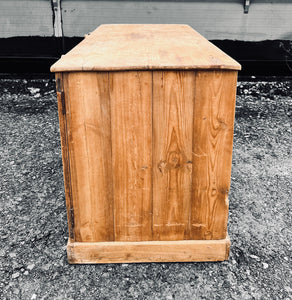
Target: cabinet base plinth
149,251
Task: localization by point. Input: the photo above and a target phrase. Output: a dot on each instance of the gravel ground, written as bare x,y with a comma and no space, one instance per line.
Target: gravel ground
33,225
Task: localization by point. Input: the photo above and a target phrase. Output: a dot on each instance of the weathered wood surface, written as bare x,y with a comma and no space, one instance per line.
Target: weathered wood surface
65,152
173,102
89,136
131,122
212,152
147,155
150,251
144,47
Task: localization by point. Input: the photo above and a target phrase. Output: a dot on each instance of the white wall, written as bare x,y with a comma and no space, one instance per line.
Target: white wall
214,19
25,18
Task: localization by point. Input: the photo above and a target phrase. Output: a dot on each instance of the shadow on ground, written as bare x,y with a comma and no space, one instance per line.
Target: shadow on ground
33,226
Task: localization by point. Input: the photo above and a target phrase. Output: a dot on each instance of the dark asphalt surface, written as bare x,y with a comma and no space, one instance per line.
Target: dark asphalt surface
33,225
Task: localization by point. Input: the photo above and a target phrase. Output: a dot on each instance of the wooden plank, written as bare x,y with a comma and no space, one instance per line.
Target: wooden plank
144,47
173,101
88,116
65,153
131,119
152,251
212,152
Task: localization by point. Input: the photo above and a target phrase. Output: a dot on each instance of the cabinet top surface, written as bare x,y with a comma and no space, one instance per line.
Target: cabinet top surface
144,47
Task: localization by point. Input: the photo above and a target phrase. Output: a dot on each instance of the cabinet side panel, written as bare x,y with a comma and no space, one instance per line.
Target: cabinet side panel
173,102
131,121
65,153
212,152
89,134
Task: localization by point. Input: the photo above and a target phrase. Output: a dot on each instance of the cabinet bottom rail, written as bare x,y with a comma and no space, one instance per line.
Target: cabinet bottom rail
148,251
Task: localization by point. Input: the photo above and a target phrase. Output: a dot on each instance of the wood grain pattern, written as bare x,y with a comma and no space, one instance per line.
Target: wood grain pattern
147,153
131,121
65,153
152,251
212,152
88,121
144,47
173,101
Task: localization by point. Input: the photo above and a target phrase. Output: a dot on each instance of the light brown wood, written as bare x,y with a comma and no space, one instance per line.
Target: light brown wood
212,152
173,102
131,125
65,152
147,153
88,127
152,251
144,47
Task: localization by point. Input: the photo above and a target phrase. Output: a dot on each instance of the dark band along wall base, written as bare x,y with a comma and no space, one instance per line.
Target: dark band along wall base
36,54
